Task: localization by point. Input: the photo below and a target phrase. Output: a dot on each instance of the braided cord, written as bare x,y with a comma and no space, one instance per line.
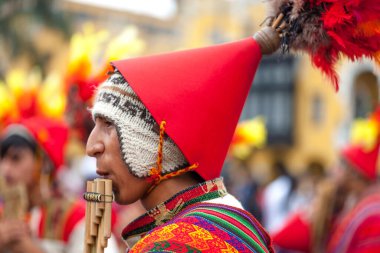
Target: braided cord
155,173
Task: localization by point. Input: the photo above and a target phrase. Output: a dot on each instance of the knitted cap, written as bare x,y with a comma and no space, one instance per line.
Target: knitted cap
137,130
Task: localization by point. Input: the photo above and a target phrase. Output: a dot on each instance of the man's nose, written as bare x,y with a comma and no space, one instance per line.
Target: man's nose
94,146
5,168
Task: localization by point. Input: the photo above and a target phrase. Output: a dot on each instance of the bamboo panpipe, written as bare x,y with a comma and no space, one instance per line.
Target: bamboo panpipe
98,215
15,200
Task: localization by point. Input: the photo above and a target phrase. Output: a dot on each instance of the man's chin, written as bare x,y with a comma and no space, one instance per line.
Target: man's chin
119,200
123,201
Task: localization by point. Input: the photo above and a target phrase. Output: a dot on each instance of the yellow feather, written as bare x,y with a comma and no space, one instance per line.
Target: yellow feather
364,132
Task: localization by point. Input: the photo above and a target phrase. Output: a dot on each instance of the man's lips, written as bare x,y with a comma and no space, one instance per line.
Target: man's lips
105,175
101,172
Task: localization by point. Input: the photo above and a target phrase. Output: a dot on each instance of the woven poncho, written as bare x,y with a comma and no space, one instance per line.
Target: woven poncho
359,229
189,223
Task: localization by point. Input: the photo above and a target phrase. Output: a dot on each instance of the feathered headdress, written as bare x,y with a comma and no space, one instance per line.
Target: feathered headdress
87,68
327,29
26,94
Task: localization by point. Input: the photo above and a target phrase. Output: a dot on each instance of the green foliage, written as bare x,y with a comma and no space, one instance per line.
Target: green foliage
19,22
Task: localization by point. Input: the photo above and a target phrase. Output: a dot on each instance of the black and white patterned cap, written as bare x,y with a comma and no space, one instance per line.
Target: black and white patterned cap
137,130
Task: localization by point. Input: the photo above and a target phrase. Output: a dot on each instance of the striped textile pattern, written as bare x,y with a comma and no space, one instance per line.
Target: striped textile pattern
359,229
207,227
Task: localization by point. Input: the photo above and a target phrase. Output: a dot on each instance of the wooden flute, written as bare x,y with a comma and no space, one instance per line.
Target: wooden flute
15,200
98,215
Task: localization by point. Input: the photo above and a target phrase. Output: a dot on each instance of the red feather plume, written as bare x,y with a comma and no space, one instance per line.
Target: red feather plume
327,29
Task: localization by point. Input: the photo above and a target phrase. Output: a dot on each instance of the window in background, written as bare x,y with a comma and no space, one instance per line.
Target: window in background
366,94
272,96
317,110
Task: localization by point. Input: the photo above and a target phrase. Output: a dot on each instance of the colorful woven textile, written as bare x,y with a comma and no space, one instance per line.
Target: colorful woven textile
198,226
359,230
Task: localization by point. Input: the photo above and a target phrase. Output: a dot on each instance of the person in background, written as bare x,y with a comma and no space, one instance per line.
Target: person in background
276,198
31,154
306,186
357,227
345,215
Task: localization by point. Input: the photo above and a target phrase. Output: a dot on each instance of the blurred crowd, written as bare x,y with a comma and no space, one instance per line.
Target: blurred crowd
44,126
333,209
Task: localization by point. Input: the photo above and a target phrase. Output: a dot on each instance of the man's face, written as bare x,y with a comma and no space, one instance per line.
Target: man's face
103,144
18,165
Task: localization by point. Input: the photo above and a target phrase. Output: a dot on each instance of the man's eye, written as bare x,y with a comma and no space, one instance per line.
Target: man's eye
108,123
15,158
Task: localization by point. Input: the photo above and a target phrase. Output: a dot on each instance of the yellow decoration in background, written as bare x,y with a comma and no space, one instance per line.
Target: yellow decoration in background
23,84
15,80
17,93
253,131
91,50
7,103
24,93
364,132
52,98
248,134
241,151
85,47
125,44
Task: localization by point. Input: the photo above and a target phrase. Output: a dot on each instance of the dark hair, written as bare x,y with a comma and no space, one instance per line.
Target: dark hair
17,141
196,176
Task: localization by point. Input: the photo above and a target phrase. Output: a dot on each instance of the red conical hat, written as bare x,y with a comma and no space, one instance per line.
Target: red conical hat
200,94
50,134
364,159
294,235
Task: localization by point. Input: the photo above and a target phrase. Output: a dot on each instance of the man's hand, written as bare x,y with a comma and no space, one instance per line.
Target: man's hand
15,237
11,231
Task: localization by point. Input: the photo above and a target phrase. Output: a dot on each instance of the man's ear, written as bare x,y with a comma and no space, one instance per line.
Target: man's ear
44,166
37,166
47,165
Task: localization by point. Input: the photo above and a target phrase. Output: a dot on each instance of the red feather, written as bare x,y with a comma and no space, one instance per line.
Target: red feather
328,29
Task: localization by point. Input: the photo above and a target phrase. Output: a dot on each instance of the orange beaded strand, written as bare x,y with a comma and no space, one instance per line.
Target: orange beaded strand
155,173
